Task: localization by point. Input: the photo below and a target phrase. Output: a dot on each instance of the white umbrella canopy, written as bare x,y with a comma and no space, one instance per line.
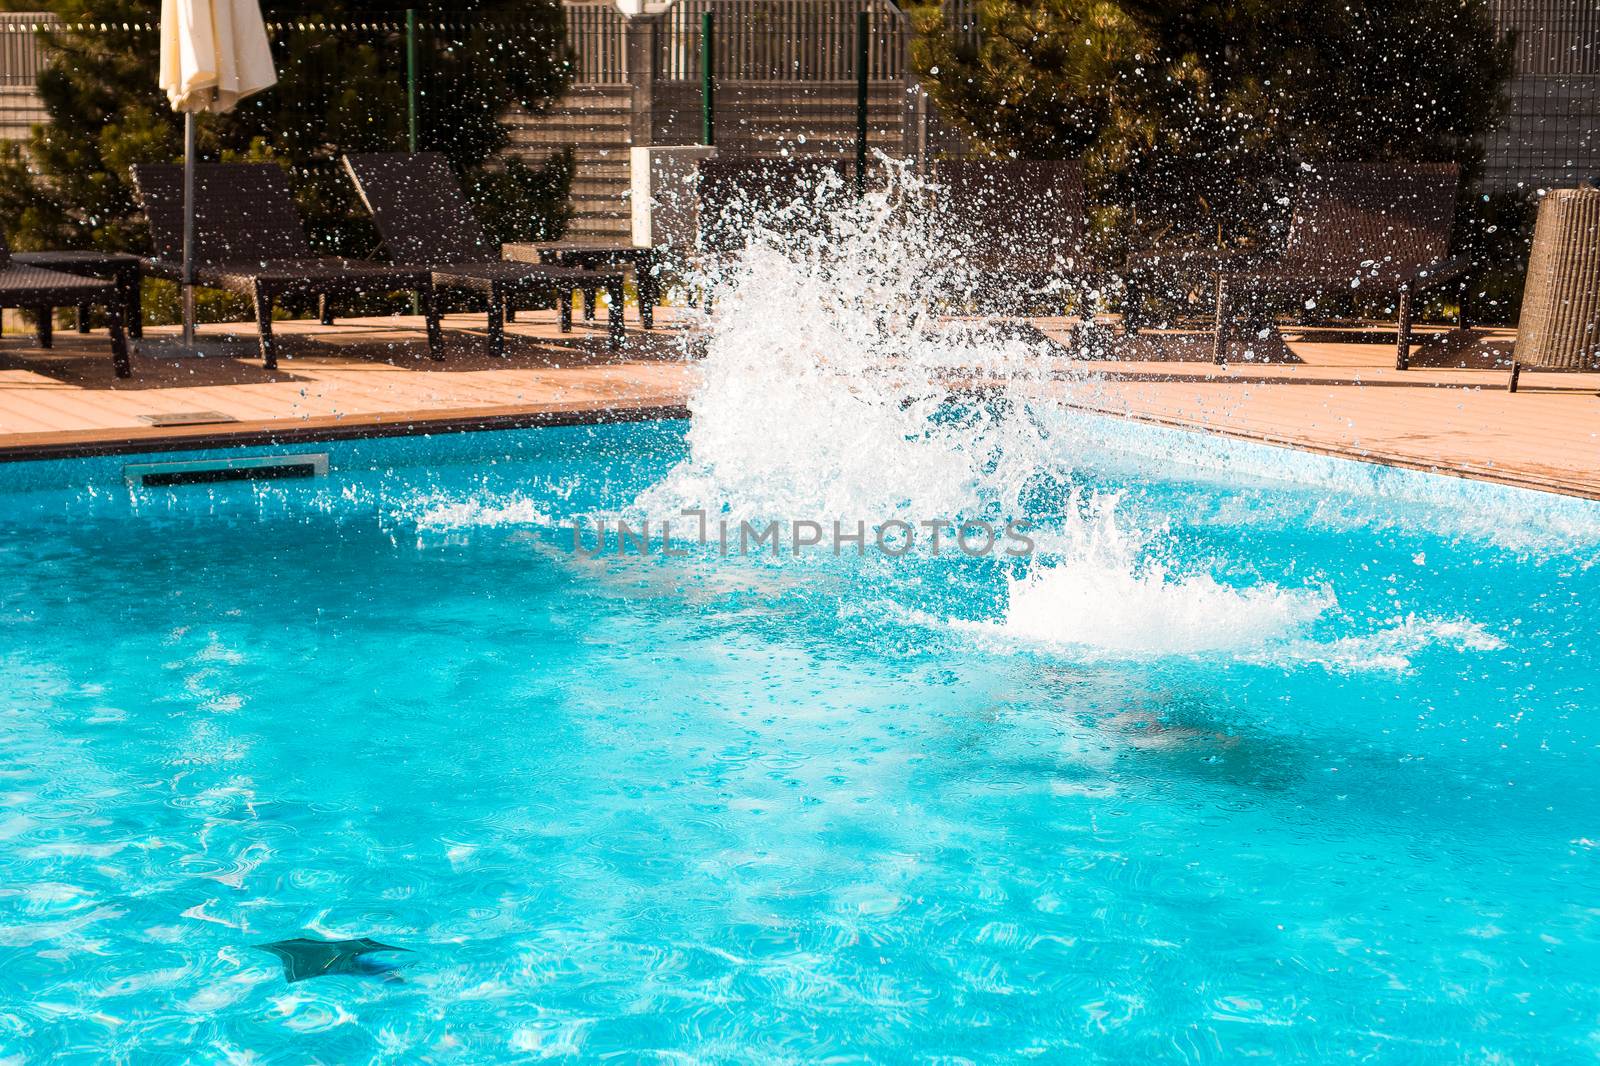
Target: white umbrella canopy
214,53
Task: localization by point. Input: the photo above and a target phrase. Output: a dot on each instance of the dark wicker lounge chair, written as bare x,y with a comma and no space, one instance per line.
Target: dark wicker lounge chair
1370,228
118,267
426,222
598,254
1020,224
42,291
249,239
1178,240
740,193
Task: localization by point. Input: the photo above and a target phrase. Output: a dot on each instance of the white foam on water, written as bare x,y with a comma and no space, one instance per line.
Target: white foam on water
1150,611
444,513
1119,613
1102,587
1391,649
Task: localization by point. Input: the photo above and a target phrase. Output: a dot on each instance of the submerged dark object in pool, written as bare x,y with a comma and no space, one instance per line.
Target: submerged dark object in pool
303,957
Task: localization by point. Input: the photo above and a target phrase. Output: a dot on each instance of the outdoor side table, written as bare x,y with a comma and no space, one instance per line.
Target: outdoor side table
119,267
1560,324
594,255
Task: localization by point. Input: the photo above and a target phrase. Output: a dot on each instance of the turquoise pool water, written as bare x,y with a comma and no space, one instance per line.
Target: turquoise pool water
1340,798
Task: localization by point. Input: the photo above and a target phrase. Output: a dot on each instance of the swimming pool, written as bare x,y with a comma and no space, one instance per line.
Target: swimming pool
1332,793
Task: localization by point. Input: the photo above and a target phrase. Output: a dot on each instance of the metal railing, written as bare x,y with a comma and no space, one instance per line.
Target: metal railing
22,53
961,16
598,34
1554,37
781,40
757,40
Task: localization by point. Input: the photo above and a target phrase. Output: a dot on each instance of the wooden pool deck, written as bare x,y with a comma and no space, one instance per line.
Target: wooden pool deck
358,377
1337,392
1331,391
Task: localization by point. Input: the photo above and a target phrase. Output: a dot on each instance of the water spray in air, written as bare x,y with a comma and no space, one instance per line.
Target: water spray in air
847,376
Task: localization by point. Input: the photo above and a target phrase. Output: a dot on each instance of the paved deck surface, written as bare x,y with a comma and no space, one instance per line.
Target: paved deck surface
357,376
1332,391
1338,392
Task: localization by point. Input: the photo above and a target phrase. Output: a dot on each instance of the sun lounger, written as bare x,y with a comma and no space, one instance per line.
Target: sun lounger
41,291
597,254
426,222
1365,228
1178,231
249,239
118,267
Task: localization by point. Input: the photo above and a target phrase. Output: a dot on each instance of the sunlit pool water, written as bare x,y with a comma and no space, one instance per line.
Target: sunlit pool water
704,809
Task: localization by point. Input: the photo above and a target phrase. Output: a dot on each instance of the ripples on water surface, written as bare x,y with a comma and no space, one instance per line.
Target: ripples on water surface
741,810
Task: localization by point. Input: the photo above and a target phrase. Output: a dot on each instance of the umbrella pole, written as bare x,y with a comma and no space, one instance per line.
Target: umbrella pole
188,228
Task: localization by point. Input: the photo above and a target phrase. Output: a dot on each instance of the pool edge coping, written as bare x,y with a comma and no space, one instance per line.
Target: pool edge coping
329,428
1526,482
466,420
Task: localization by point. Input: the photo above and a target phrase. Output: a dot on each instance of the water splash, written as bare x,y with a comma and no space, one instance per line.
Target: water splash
1147,610
438,512
832,387
844,378
1393,648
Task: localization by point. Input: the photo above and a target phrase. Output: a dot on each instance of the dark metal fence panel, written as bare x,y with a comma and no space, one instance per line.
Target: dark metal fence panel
781,40
1553,36
22,54
597,34
1552,135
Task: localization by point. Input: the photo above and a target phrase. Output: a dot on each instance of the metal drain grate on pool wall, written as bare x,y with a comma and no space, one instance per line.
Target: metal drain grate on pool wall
213,471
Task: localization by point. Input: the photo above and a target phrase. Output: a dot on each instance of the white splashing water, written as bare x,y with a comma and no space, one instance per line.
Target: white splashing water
828,388
832,390
440,512
1150,611
1392,648
1105,590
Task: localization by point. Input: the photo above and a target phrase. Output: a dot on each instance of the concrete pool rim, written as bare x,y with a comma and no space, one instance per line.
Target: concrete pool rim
1218,450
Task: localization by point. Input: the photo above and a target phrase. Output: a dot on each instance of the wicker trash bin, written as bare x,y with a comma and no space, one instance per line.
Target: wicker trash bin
1560,324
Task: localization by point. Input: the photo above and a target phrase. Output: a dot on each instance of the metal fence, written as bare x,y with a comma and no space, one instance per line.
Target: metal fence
22,53
781,40
1552,135
1553,36
598,34
756,40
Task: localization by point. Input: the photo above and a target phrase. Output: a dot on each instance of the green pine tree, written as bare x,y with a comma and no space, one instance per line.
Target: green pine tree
1204,104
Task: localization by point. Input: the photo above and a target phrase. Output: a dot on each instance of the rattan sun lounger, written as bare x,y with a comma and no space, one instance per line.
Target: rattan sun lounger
598,254
426,222
249,239
122,269
739,194
41,291
1019,224
1358,227
1178,240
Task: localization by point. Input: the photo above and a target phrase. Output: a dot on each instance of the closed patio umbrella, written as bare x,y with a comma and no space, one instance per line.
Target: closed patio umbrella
214,53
